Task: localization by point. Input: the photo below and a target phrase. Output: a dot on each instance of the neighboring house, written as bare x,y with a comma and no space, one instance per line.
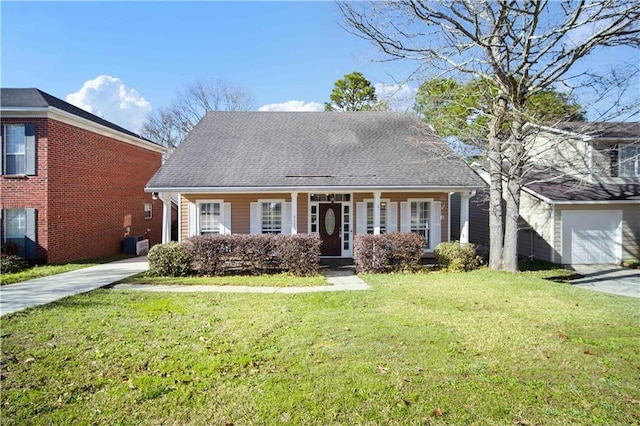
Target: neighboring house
335,174
581,202
72,184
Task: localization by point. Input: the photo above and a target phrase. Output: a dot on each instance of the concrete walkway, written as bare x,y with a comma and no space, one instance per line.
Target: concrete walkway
338,280
40,291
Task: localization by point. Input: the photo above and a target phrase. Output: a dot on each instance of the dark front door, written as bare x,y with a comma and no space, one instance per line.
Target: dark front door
330,229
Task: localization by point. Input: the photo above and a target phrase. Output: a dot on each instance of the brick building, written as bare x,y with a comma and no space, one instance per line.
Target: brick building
72,183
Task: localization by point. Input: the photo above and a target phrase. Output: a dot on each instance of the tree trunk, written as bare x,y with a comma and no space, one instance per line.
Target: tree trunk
510,252
496,235
494,154
515,155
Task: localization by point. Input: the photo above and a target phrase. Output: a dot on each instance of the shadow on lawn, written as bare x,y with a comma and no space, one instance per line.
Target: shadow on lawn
553,271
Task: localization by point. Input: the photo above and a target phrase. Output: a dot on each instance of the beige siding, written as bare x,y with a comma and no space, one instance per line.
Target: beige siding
567,153
534,239
630,228
403,196
240,209
303,213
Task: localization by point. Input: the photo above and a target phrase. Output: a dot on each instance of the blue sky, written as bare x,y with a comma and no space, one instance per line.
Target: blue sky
279,51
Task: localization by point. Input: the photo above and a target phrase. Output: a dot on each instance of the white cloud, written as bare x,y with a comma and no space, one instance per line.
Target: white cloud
400,97
293,106
109,98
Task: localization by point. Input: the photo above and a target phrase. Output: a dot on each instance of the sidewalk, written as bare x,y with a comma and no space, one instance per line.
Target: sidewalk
40,291
337,280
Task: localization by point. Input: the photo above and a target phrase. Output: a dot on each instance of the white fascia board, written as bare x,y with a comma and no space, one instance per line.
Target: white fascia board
580,135
576,202
598,202
287,189
74,120
537,195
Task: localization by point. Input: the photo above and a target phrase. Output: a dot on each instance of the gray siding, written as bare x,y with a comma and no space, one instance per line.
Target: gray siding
478,218
455,217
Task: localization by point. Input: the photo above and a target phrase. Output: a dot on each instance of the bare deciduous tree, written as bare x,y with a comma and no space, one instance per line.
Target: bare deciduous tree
522,47
169,125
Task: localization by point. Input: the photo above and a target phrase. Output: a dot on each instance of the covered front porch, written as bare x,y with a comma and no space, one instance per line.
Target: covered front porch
336,215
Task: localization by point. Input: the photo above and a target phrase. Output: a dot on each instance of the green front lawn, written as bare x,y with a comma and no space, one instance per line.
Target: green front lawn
273,280
439,348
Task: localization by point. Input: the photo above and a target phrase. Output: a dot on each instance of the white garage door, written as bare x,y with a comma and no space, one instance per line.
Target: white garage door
592,236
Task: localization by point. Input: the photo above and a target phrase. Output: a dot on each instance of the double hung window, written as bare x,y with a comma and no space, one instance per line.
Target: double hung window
419,218
629,161
209,215
18,149
271,217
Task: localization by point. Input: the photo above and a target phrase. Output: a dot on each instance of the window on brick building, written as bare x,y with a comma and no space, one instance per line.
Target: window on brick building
19,149
148,210
19,232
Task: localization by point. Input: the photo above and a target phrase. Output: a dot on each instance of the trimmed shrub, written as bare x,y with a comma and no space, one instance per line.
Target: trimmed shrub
388,252
169,260
457,257
299,254
254,254
11,263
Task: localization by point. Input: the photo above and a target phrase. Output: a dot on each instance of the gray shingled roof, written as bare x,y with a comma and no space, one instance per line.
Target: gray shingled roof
312,149
36,98
603,130
556,186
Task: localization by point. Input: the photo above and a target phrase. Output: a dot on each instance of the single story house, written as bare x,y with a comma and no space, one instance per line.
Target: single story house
335,174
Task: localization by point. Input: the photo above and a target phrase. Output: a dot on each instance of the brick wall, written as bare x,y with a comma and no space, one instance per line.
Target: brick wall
30,191
89,190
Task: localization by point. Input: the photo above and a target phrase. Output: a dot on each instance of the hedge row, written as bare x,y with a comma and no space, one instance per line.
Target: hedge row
388,252
238,253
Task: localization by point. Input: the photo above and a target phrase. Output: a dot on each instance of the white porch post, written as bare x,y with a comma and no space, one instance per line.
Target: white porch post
166,216
376,212
294,213
464,217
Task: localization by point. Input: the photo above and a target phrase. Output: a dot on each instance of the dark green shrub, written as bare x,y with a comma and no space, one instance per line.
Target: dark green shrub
388,252
169,260
11,263
458,257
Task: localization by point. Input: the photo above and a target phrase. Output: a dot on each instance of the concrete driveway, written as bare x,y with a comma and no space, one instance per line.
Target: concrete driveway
608,279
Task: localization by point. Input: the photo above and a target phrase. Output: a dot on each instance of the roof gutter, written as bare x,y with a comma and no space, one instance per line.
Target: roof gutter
74,120
319,188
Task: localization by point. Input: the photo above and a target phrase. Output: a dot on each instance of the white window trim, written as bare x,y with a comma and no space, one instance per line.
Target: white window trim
427,247
635,161
387,201
283,212
5,148
315,204
5,224
150,205
352,220
222,217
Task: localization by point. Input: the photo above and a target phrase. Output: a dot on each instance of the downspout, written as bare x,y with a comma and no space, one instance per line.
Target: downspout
553,233
590,162
165,197
449,217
